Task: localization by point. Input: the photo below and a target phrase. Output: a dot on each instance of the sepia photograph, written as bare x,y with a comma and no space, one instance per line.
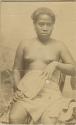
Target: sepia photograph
38,63
38,0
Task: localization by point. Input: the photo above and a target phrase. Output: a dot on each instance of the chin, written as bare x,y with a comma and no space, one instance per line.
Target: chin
45,37
44,40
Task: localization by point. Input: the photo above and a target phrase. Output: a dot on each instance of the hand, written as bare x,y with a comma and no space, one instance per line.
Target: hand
47,73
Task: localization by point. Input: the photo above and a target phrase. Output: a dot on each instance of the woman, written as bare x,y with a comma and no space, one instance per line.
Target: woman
38,95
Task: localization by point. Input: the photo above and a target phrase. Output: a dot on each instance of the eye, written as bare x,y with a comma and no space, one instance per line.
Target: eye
41,24
49,24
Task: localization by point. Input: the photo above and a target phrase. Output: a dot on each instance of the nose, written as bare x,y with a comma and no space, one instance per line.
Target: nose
45,28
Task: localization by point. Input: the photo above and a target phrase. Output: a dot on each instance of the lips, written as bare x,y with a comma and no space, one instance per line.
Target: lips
44,33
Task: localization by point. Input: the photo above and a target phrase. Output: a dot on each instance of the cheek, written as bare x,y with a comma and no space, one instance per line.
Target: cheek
50,29
38,29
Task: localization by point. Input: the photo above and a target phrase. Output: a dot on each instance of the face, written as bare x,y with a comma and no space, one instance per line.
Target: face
44,26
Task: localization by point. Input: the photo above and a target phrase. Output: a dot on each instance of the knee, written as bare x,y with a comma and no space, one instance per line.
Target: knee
17,118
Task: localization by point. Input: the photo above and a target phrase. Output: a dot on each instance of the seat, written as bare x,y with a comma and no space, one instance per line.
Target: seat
73,86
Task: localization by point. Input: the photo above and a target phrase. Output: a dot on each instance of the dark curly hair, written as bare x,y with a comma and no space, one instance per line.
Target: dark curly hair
43,10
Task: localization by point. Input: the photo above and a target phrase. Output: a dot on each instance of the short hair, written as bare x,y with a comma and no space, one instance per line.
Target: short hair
43,10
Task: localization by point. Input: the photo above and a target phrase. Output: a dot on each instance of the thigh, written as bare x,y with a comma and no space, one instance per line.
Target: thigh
18,113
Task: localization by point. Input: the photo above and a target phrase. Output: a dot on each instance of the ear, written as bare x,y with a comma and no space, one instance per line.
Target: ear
52,28
35,26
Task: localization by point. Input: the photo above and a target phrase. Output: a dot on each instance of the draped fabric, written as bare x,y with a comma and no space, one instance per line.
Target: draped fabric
41,96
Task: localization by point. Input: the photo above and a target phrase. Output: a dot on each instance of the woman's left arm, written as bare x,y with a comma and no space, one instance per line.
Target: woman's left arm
68,66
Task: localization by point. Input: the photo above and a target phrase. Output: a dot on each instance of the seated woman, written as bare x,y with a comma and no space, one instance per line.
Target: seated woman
37,95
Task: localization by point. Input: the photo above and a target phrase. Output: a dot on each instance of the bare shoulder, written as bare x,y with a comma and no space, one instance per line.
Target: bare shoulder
60,45
25,43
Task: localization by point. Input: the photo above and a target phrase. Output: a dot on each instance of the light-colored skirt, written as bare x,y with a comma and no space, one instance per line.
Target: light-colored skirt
47,101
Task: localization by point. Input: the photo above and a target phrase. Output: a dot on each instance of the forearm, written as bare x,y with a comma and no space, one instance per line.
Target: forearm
68,69
17,76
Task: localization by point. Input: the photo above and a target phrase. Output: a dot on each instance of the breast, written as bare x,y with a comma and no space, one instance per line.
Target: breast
35,55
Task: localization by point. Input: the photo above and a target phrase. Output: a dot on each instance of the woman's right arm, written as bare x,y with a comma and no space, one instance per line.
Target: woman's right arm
18,64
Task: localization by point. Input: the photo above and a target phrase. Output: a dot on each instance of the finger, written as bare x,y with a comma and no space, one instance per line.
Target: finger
44,75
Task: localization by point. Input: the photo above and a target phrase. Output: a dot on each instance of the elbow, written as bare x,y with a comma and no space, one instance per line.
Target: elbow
74,70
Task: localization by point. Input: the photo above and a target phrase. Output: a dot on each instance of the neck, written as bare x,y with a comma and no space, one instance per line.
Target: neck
44,40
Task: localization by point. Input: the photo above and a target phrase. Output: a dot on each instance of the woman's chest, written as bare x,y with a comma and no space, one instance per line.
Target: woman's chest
40,53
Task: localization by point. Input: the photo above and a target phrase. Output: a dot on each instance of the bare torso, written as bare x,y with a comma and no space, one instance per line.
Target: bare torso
37,55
